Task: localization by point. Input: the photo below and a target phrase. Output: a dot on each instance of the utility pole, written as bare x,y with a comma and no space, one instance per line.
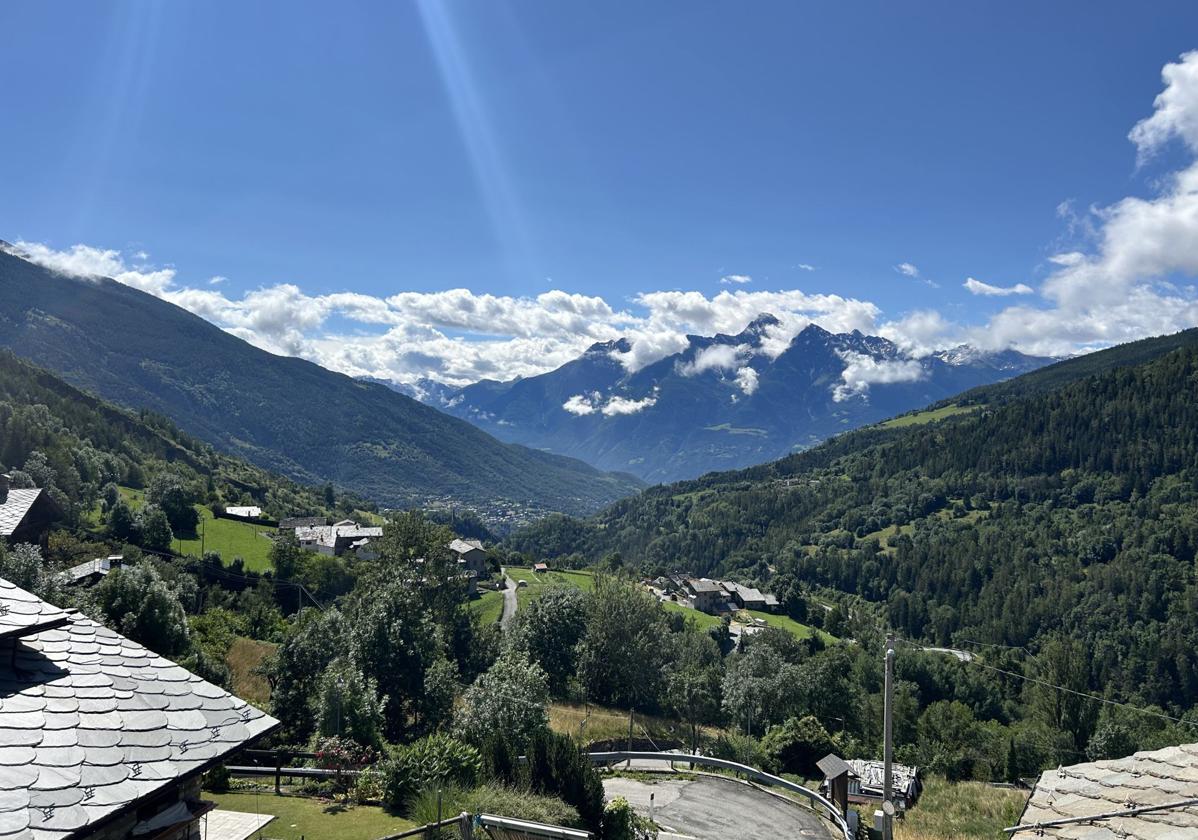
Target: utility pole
888,744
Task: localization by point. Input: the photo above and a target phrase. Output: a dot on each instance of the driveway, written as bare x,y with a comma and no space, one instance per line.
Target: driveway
509,601
711,808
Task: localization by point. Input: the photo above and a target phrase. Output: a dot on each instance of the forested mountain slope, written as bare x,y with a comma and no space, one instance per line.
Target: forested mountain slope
1073,509
86,443
286,414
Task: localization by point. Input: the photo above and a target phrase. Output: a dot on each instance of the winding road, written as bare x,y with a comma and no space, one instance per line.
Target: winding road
509,601
714,808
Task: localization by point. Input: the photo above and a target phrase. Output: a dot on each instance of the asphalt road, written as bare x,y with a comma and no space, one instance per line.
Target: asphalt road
708,808
509,602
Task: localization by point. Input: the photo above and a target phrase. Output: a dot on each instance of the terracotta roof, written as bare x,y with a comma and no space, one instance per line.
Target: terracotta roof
91,723
1159,777
15,508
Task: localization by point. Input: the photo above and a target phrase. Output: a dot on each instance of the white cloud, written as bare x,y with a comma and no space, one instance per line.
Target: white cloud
217,280
622,405
584,404
862,371
805,267
736,279
746,380
580,404
1175,113
907,269
715,357
977,287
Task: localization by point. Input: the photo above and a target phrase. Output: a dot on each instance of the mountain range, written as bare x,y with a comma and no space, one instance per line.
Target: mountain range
285,414
724,402
1062,504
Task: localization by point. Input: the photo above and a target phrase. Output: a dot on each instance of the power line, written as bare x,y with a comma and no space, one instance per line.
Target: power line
1084,694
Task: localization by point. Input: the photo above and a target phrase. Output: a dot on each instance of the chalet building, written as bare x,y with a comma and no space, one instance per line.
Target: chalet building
26,514
1152,794
707,595
244,511
745,597
471,555
101,738
338,538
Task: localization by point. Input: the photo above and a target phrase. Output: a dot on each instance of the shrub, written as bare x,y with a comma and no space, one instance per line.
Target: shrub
743,749
620,822
556,766
436,759
796,745
370,785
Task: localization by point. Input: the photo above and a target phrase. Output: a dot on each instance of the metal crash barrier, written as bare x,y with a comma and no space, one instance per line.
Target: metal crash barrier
818,801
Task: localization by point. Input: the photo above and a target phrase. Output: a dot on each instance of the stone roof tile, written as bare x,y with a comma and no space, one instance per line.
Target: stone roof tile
1158,777
91,722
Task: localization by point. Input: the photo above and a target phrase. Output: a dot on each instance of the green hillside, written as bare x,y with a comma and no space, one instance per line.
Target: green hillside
285,414
1066,504
77,445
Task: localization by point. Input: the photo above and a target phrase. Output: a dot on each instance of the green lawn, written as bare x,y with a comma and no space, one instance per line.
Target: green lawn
488,606
582,580
232,539
801,631
297,817
537,581
921,418
702,619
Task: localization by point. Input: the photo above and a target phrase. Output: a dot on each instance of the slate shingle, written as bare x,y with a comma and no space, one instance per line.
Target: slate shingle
91,722
1157,777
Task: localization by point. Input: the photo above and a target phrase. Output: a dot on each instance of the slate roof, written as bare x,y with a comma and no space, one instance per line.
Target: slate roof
704,585
22,613
465,546
15,508
91,723
1159,777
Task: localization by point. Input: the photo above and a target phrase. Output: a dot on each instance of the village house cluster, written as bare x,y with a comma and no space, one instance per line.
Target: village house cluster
715,597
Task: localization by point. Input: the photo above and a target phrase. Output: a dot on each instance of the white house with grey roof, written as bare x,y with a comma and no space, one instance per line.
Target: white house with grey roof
99,737
337,538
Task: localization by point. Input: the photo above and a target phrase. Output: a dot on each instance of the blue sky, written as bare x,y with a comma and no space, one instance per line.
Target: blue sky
604,150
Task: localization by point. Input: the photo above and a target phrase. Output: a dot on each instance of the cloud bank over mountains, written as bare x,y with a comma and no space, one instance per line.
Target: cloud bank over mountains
1130,276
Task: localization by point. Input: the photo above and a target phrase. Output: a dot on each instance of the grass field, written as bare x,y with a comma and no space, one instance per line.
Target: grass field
960,811
244,656
605,723
297,817
232,539
702,619
802,631
537,581
921,418
488,606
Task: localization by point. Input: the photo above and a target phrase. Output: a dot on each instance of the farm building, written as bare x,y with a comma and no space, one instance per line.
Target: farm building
26,514
471,555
